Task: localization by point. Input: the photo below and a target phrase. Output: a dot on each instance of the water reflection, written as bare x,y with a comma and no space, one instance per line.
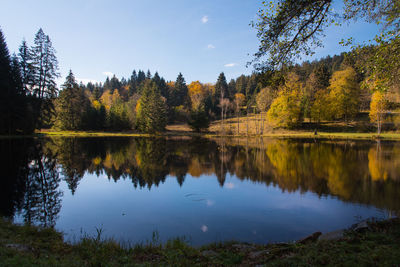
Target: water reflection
358,172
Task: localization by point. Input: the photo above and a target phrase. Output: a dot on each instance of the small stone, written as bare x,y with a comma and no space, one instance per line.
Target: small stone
257,254
310,238
335,235
360,226
209,253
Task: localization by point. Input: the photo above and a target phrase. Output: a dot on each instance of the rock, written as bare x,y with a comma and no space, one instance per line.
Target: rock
256,254
209,253
19,247
310,238
360,226
335,235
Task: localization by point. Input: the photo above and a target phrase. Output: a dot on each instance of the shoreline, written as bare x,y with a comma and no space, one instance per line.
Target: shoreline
277,134
367,243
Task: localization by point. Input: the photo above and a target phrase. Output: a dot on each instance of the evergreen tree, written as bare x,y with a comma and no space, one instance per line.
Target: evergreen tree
70,105
148,75
179,95
221,87
140,81
107,84
251,88
160,84
45,72
241,84
97,92
199,120
220,94
115,83
133,83
12,97
45,67
151,109
232,88
25,61
141,77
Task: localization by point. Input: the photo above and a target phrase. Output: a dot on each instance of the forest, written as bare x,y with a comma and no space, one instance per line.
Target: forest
331,89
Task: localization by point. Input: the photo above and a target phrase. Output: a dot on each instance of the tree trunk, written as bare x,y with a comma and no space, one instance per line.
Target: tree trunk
247,120
238,122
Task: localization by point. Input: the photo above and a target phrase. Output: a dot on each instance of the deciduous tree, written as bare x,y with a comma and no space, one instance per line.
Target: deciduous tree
378,108
344,92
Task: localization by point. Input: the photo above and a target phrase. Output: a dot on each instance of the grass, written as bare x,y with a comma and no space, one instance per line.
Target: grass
360,129
29,245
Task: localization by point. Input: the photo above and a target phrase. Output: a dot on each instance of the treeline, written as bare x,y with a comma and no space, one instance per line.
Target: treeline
332,88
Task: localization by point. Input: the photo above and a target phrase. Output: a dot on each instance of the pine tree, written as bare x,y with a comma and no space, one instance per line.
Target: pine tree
151,109
25,61
141,77
70,105
44,74
160,84
115,83
148,75
45,67
199,120
133,83
107,84
179,95
12,97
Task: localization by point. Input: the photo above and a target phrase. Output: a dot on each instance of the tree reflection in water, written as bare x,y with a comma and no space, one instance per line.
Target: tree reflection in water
355,171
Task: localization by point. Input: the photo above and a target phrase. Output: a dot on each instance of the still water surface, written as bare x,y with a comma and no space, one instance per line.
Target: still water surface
256,190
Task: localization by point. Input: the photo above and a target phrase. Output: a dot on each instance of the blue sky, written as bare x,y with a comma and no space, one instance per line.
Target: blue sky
199,38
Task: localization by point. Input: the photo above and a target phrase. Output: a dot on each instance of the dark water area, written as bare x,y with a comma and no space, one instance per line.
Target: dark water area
255,190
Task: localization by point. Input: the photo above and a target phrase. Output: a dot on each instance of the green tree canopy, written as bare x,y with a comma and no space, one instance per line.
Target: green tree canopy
71,105
151,109
289,29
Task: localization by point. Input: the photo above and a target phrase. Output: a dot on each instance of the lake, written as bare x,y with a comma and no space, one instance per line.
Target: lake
251,190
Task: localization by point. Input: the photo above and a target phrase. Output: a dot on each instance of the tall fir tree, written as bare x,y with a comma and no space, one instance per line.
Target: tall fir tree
25,61
13,102
133,83
45,67
160,84
179,95
70,105
221,87
45,73
148,75
151,109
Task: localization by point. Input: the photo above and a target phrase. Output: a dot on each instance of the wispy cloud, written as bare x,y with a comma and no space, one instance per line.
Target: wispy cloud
204,19
229,185
86,81
210,46
108,73
229,65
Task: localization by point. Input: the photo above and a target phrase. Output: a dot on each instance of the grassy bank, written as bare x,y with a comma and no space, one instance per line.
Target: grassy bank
379,244
248,128
274,134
